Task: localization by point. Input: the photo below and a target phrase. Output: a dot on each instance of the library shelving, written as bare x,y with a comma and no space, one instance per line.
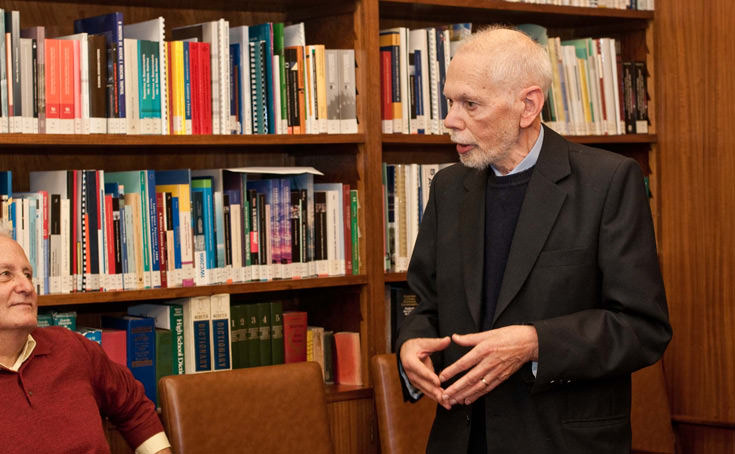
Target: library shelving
355,303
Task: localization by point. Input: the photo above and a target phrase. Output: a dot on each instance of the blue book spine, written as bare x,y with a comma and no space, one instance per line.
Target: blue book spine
6,182
236,107
284,220
111,25
419,90
264,33
202,346
141,348
153,225
177,232
187,84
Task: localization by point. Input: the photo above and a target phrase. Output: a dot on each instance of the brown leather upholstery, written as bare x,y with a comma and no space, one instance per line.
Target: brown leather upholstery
403,426
650,414
273,409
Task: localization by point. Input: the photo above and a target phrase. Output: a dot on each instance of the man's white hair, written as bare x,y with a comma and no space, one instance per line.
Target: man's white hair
514,60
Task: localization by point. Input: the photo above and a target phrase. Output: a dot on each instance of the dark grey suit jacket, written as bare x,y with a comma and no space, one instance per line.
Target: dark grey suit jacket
582,269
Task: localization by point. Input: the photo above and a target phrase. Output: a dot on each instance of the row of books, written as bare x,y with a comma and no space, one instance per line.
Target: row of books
646,5
206,333
593,91
413,67
210,78
405,196
90,230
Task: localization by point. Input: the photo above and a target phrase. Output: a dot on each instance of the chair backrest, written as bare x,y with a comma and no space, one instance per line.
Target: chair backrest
650,416
272,409
403,426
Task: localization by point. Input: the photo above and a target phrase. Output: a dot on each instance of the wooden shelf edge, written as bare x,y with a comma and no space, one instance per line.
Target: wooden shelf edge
699,421
443,139
120,140
500,5
341,393
395,277
184,292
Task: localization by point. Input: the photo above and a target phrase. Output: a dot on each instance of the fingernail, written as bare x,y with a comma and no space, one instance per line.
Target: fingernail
445,397
453,402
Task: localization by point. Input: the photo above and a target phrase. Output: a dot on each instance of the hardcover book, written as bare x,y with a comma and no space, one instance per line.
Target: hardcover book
141,348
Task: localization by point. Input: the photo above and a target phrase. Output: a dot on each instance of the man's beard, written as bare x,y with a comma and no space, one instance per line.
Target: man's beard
476,159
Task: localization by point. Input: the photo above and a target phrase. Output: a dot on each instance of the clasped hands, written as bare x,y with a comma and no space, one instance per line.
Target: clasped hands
495,355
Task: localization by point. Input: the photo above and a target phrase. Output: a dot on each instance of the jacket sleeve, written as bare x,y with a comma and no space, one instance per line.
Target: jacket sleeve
422,322
628,327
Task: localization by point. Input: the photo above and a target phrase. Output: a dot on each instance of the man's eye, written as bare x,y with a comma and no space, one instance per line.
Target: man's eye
28,275
471,104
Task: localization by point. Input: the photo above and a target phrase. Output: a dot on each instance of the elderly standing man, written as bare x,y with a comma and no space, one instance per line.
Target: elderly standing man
536,270
55,383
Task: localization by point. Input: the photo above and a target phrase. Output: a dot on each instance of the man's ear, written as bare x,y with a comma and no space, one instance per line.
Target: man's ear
533,102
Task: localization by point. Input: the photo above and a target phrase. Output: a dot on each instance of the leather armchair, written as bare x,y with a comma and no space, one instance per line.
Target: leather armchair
272,409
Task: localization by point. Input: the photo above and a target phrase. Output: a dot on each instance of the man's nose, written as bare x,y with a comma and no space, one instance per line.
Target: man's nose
453,119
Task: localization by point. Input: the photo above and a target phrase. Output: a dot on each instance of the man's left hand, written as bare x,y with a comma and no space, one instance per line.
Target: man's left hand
496,355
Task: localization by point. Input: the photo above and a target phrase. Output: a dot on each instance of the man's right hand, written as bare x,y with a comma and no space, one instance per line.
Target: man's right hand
416,361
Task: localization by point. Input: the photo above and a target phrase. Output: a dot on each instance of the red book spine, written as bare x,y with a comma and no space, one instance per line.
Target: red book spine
194,77
205,68
347,353
110,236
52,78
66,76
294,336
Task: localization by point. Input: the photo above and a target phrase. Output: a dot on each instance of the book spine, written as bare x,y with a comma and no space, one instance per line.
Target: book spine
221,339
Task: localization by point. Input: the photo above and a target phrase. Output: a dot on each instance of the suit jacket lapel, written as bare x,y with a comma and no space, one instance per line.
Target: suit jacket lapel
472,241
540,208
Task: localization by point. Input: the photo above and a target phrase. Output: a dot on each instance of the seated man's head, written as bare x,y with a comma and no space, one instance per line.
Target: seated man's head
18,299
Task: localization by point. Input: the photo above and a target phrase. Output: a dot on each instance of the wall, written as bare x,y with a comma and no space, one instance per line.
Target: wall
694,55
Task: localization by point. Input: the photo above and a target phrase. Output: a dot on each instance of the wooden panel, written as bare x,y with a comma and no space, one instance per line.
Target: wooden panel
353,426
697,200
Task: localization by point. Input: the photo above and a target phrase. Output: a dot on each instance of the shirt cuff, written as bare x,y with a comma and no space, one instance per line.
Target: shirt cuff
154,444
534,368
412,390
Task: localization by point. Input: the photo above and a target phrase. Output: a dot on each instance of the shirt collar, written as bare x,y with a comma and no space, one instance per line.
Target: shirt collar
530,159
24,354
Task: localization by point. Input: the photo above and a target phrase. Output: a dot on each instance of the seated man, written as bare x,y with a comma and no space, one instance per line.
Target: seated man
54,383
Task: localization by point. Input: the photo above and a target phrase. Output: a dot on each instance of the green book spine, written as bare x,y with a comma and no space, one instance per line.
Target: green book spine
164,359
264,333
276,320
253,338
278,49
177,338
354,231
235,337
329,357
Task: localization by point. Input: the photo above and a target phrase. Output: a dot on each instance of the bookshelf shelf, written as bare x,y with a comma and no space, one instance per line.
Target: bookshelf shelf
504,10
120,140
76,299
436,139
341,393
395,277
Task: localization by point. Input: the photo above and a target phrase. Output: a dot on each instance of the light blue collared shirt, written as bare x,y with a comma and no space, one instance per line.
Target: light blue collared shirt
528,161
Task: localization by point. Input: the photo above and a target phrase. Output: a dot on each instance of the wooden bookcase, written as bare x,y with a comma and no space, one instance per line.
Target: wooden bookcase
355,303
